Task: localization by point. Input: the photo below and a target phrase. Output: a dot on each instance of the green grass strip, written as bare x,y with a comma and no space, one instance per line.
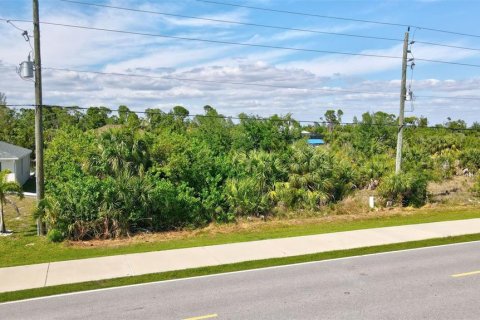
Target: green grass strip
117,282
22,250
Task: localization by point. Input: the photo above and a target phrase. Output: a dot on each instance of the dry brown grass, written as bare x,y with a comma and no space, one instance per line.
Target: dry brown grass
455,191
257,225
21,221
355,204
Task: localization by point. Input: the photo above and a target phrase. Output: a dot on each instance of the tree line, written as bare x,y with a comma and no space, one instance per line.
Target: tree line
110,174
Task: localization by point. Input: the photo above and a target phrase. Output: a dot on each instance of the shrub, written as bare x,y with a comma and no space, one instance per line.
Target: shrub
470,159
245,197
73,204
376,167
175,206
315,179
406,189
55,235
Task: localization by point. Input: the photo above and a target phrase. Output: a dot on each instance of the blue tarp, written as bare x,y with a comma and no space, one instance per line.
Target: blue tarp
316,141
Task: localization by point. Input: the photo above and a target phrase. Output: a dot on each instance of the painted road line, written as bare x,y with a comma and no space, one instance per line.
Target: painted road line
466,274
208,316
223,274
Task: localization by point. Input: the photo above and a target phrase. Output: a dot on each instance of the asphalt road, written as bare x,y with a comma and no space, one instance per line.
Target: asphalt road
416,284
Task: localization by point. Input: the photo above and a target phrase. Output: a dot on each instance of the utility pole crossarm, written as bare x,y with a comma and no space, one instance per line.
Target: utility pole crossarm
401,116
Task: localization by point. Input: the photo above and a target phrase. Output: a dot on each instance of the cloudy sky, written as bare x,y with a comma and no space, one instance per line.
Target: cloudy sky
254,80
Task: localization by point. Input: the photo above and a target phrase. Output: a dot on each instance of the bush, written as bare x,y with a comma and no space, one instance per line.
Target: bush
74,204
376,167
175,207
470,159
55,235
315,178
245,197
406,189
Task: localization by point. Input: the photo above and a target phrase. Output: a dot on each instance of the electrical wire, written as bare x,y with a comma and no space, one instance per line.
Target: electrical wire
337,18
248,118
159,112
24,33
449,97
261,25
219,82
13,25
230,21
245,44
447,45
208,40
248,84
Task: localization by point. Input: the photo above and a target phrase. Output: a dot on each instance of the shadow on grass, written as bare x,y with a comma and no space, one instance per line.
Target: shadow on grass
30,185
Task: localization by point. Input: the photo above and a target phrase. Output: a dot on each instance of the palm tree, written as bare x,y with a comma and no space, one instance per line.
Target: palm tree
7,188
118,151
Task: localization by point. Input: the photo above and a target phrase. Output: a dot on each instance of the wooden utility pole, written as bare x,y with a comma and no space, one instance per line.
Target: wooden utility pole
403,97
39,173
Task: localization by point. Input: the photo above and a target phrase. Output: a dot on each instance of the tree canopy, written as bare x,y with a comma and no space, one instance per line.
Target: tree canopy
110,174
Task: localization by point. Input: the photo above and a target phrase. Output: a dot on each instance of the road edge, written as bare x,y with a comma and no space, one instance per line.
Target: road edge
178,275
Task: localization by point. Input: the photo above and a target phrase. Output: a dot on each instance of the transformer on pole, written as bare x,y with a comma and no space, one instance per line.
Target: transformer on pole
25,71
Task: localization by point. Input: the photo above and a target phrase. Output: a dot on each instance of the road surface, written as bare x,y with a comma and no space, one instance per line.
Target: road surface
431,283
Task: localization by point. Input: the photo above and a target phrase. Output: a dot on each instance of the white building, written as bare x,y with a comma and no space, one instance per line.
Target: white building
17,160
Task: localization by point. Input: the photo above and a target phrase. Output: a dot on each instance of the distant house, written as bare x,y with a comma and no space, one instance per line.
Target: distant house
312,139
17,160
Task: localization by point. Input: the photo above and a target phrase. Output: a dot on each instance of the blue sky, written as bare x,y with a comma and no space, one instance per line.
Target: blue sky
303,72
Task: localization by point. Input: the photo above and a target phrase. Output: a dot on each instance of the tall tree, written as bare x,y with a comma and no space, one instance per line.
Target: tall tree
333,118
96,117
123,113
7,124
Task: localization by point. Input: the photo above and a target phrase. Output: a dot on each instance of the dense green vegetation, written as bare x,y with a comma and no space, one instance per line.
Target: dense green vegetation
112,174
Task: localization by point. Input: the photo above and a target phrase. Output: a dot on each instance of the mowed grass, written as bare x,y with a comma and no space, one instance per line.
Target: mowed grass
24,247
92,285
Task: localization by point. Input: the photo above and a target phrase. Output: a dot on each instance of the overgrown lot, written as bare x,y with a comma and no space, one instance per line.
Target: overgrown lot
114,175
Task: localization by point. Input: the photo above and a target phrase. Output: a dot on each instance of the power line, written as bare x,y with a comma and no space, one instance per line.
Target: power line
448,62
245,44
25,34
447,45
336,18
209,40
248,118
231,21
13,25
218,82
261,25
254,84
449,97
159,112
340,91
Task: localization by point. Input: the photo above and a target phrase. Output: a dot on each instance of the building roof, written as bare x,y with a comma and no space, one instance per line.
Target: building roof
12,152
